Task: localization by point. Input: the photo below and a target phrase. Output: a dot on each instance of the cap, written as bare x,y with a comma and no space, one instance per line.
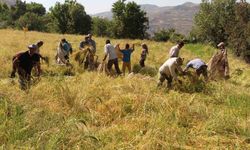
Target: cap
89,35
221,44
32,46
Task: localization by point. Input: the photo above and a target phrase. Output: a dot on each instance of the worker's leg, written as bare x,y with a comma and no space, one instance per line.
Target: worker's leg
129,67
162,78
118,71
124,65
169,79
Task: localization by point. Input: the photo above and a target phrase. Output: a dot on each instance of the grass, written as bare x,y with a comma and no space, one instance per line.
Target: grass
87,110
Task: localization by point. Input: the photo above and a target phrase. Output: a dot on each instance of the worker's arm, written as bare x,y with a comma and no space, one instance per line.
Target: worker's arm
133,47
82,45
118,47
173,73
106,55
187,67
106,52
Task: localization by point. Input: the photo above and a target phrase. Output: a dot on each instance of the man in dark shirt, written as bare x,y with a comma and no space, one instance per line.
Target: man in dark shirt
89,48
24,63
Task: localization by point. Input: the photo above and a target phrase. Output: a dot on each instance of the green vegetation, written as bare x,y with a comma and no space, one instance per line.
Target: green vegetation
227,21
69,17
92,111
129,20
168,35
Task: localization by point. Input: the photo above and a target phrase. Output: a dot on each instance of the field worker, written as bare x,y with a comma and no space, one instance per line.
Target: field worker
89,49
24,64
37,51
92,42
127,58
199,66
84,43
168,70
110,52
175,50
63,51
144,54
218,65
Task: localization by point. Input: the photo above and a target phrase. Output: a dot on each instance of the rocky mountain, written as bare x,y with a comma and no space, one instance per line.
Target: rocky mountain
8,2
179,17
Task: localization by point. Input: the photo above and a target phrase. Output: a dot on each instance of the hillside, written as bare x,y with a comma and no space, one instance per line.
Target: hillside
178,17
87,110
8,2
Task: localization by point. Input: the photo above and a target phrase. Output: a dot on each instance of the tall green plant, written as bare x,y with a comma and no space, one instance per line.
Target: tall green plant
70,17
129,20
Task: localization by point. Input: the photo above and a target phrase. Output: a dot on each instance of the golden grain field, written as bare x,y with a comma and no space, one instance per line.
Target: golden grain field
92,111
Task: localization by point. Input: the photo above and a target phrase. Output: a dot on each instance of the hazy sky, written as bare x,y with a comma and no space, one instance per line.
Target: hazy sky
96,6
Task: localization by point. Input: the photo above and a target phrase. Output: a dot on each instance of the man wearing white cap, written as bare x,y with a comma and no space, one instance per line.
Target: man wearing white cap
218,64
24,63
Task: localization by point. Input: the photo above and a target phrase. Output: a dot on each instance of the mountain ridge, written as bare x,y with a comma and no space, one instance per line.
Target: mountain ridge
8,2
179,17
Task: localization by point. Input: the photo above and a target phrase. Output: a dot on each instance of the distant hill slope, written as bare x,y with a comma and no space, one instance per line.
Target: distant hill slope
8,2
179,17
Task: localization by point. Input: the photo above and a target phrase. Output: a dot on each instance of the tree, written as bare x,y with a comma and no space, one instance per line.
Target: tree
227,21
240,33
36,8
32,21
101,26
18,10
129,20
71,17
213,20
5,17
170,34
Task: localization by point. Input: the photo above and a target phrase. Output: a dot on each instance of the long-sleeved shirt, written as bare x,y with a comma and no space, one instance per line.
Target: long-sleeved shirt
195,63
174,51
169,68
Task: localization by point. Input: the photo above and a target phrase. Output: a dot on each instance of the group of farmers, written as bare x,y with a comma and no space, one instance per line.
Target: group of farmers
24,62
217,66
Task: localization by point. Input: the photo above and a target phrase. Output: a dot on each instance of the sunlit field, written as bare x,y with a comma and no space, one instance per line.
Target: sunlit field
69,108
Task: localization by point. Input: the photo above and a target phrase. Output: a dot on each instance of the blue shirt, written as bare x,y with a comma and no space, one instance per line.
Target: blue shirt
195,63
66,47
126,54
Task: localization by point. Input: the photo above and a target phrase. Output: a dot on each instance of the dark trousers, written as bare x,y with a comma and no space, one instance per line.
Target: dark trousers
24,79
142,62
202,70
164,77
114,62
89,62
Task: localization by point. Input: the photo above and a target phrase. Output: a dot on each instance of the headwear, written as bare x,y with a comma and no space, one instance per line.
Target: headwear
221,44
89,35
32,46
